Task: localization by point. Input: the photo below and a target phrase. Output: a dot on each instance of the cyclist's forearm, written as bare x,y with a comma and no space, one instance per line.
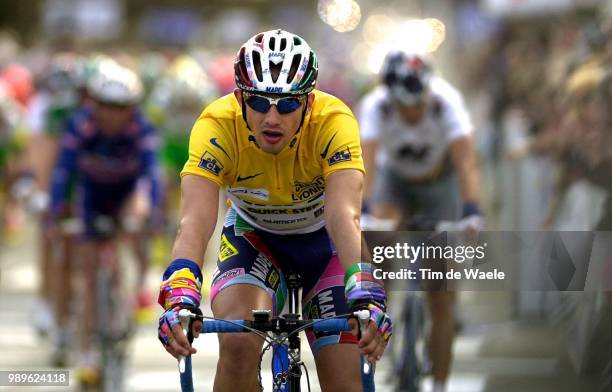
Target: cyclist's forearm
342,214
464,160
369,160
60,178
198,218
346,236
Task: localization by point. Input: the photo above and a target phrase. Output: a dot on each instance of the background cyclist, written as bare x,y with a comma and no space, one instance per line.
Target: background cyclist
420,160
110,148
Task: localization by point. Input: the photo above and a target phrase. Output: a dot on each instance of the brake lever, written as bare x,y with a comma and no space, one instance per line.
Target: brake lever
185,318
363,316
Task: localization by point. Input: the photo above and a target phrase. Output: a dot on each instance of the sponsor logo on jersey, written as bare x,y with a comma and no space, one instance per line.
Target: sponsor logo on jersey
340,156
210,163
239,179
226,249
319,212
278,210
259,193
325,151
308,190
215,143
415,153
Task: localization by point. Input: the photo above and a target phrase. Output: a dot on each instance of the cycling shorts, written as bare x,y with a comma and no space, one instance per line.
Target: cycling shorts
437,200
252,256
95,202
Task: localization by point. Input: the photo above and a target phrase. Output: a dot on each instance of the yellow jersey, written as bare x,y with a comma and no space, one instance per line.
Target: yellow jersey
280,193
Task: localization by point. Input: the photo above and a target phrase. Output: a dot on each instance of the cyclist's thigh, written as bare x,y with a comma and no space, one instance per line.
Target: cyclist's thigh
100,201
237,302
325,300
390,194
245,262
437,201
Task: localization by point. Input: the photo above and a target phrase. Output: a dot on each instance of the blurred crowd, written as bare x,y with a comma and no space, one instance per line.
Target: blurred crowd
547,81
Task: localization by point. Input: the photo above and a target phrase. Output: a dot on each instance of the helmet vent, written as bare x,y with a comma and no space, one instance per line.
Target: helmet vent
295,63
259,38
272,43
297,41
283,44
257,65
275,70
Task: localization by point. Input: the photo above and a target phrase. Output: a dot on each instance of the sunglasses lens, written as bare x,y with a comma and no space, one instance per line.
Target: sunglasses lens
262,104
259,104
288,105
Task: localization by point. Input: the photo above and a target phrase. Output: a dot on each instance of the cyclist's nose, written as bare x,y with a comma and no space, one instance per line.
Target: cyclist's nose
272,117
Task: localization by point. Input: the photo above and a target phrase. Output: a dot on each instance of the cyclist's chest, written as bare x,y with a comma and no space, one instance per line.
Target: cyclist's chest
102,157
287,178
403,140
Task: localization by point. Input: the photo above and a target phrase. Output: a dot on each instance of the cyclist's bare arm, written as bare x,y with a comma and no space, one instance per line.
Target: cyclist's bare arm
197,218
197,221
343,192
463,157
369,149
342,211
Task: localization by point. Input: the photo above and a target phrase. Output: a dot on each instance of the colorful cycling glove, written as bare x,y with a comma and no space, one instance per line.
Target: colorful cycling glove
363,291
179,290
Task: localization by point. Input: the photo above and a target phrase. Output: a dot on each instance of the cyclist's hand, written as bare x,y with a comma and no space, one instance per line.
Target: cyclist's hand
472,224
179,290
472,221
363,291
171,332
374,338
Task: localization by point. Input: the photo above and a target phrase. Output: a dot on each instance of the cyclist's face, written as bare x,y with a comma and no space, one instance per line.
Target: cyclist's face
113,119
412,114
273,130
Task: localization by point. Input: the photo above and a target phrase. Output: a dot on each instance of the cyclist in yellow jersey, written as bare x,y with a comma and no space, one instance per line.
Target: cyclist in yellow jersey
289,158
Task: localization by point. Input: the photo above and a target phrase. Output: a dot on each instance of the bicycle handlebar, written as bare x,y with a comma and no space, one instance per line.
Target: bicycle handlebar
276,325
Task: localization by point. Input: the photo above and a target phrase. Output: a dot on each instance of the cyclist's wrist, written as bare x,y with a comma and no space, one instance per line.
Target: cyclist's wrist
182,284
362,288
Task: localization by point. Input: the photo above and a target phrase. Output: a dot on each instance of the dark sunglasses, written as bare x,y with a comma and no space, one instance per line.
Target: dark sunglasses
262,104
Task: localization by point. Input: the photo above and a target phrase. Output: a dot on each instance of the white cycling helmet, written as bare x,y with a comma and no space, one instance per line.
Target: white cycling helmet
407,76
115,84
276,62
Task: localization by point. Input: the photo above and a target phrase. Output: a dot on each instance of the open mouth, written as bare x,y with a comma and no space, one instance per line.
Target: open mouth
272,137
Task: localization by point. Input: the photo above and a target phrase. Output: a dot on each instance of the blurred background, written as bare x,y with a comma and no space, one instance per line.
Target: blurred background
536,77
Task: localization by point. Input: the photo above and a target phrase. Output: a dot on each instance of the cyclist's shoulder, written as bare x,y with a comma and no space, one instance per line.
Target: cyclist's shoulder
80,120
225,108
445,92
218,123
326,105
143,122
376,100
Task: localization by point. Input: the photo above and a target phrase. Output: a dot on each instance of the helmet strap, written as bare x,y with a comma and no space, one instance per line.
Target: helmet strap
244,116
303,117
